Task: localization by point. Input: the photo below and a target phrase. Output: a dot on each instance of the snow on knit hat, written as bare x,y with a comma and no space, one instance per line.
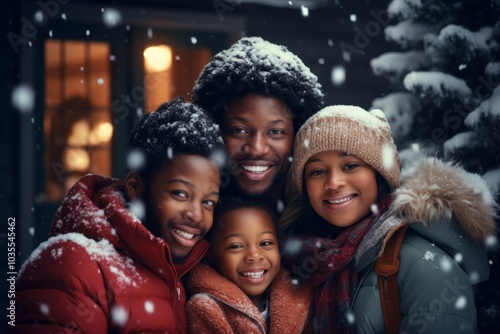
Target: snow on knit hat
351,129
176,127
253,65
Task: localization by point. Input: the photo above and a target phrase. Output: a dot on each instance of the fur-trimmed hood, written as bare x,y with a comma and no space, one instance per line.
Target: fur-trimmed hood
435,190
447,205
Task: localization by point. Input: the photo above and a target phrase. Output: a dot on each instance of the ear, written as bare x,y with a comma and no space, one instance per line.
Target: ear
134,186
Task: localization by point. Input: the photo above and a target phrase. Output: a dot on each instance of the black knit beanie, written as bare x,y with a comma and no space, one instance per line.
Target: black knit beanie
253,65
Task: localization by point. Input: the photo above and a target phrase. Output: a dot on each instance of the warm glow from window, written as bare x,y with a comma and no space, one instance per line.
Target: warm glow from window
77,159
78,121
158,58
101,133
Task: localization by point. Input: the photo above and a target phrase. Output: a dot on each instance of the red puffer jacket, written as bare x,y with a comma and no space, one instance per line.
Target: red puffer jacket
101,271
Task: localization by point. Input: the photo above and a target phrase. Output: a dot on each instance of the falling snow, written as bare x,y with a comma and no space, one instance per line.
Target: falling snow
445,264
44,309
280,206
304,11
137,208
474,277
119,315
149,307
461,303
194,40
23,98
39,16
338,75
350,318
111,17
136,160
219,157
491,241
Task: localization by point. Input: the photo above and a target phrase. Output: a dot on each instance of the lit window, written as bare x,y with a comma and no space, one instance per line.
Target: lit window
170,72
77,121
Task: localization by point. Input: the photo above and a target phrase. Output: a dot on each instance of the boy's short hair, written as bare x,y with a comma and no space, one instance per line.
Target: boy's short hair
231,203
176,127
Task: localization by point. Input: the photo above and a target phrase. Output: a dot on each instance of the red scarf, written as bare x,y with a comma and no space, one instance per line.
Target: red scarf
332,273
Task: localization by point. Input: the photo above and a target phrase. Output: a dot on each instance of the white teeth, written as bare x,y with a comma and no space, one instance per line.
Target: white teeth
338,201
256,169
257,274
185,235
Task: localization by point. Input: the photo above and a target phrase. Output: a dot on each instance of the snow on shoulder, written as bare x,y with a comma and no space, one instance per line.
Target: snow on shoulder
99,251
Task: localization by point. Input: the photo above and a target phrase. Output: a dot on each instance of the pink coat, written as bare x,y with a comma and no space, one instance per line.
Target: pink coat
219,306
101,271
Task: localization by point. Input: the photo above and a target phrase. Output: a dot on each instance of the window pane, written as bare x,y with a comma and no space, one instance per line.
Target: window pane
74,69
77,129
99,75
52,73
171,72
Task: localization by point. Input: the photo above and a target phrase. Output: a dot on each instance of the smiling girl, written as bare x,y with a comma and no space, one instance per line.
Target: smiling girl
244,289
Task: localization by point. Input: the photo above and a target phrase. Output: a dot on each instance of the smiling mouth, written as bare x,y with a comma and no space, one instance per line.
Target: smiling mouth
256,169
183,234
340,201
254,274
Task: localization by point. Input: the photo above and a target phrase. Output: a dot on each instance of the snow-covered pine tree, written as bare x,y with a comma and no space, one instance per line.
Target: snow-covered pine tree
448,67
447,101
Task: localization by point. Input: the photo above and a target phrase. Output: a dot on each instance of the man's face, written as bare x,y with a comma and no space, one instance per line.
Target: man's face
258,134
181,197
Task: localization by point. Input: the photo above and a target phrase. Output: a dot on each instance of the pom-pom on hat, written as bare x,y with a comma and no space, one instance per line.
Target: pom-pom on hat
253,65
351,129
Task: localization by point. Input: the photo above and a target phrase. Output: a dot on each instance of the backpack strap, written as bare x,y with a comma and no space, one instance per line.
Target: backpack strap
387,267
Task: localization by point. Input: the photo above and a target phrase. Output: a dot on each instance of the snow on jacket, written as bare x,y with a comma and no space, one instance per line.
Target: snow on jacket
219,306
442,253
101,271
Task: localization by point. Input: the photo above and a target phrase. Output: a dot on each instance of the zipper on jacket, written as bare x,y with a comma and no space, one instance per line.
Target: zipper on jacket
237,309
361,282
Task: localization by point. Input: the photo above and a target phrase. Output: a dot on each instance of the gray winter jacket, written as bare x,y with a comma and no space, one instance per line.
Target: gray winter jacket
442,255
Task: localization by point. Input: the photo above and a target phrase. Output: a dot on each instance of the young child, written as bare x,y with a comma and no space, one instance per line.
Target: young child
346,165
244,290
118,249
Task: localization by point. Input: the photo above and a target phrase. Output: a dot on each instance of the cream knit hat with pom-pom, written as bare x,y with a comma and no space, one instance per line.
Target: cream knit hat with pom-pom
351,129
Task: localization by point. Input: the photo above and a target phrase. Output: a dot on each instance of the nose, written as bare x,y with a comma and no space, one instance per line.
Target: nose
257,145
335,180
253,254
194,213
